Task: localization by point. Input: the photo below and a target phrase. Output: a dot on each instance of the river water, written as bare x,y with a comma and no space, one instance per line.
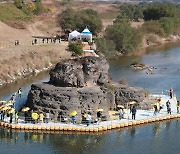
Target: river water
157,138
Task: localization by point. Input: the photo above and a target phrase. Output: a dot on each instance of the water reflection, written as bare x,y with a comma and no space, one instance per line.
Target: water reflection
157,129
125,140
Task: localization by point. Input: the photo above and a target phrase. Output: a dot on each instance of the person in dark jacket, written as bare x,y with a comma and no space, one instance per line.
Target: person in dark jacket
133,111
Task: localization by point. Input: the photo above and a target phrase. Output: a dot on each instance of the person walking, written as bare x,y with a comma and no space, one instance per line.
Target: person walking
12,99
155,110
19,92
133,111
171,93
178,105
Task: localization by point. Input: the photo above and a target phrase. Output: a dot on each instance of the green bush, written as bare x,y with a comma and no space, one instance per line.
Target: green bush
167,24
153,27
76,48
125,38
107,47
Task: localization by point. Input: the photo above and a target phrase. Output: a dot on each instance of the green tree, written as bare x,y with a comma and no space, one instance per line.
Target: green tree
88,18
70,20
125,38
76,48
167,24
67,20
159,10
132,12
121,18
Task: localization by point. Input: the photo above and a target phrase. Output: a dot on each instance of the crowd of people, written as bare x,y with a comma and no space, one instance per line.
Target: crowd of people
39,117
43,40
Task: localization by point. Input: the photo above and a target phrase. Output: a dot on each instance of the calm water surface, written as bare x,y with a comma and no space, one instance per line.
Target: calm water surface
158,138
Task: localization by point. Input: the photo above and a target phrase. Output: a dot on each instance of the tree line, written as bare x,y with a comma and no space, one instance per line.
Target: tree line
162,19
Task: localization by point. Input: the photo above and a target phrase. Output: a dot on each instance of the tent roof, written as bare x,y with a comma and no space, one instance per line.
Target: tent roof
75,32
86,31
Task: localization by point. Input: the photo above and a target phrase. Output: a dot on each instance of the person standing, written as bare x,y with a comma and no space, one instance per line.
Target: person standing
2,115
47,116
121,113
133,111
169,109
16,117
167,105
41,118
171,93
178,105
88,119
11,118
73,119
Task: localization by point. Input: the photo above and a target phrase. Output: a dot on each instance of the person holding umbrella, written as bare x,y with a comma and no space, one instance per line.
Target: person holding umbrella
73,114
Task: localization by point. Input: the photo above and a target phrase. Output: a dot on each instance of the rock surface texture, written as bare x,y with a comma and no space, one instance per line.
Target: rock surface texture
81,85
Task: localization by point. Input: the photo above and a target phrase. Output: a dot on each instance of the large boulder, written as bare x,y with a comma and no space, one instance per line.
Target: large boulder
77,72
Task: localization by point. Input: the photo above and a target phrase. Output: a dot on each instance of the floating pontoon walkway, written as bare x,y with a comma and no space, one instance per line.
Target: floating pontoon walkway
142,117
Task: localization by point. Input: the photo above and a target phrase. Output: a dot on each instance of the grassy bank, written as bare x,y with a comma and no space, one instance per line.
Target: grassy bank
10,14
17,62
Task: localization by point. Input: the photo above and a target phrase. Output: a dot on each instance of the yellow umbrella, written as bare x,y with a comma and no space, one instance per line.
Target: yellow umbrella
120,106
5,108
73,113
99,110
85,115
132,102
35,116
1,107
25,109
9,111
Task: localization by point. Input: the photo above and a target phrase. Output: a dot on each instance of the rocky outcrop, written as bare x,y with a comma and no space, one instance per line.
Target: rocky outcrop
60,101
68,90
77,72
124,94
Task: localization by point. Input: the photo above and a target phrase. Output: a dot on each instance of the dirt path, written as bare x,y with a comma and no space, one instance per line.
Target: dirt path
34,31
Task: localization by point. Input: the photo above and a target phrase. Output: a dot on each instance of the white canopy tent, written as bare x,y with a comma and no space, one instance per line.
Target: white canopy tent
86,35
74,35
